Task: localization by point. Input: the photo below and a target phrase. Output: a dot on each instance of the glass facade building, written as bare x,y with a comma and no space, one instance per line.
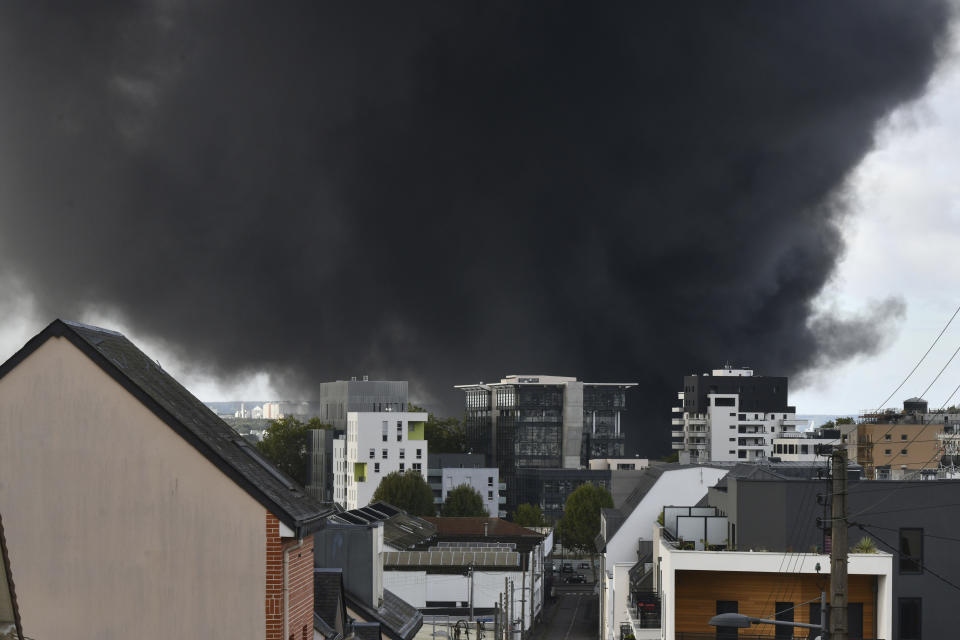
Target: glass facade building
543,422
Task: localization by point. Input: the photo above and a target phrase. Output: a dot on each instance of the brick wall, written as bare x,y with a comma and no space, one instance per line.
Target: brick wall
300,581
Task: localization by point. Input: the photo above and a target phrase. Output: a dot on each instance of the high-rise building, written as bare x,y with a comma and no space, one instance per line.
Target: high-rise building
320,464
336,399
547,422
375,444
731,415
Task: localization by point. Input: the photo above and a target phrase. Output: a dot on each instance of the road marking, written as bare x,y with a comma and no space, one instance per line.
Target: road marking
573,619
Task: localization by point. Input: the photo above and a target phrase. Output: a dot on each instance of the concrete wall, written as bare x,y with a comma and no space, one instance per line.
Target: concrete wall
117,527
572,424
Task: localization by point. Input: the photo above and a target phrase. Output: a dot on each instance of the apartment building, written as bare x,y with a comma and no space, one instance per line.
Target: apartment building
898,445
731,415
337,399
375,444
447,471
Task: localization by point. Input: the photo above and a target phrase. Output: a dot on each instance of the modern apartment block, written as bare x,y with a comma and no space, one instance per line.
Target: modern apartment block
337,399
320,464
375,444
448,471
731,415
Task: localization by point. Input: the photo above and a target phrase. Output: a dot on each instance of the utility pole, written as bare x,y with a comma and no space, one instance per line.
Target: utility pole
523,602
838,548
470,573
508,608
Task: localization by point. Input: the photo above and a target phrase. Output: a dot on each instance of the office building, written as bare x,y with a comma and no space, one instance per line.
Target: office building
731,415
375,444
545,422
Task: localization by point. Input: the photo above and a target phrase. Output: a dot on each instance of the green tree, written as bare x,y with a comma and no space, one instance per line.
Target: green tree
444,435
673,457
463,502
286,443
529,515
844,420
581,516
407,491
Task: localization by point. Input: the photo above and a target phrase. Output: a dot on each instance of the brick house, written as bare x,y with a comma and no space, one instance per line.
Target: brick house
133,511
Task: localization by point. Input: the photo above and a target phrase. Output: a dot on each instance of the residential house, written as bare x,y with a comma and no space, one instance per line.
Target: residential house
132,510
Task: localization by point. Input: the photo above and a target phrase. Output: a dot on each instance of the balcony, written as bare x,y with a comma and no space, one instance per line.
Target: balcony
677,409
501,486
501,500
677,445
680,395
677,422
677,434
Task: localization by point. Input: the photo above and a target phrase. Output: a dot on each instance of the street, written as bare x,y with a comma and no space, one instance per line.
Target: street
572,616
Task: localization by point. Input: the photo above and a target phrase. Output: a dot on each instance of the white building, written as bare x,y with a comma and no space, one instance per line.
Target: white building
619,464
692,584
625,531
447,471
376,443
731,415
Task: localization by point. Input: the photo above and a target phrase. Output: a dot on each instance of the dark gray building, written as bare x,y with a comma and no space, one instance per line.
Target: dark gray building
776,507
320,464
543,422
337,398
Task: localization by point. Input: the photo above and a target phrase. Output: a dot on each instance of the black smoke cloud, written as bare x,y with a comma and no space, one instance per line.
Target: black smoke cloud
451,192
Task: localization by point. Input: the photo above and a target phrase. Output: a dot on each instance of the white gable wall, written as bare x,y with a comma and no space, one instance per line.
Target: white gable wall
117,527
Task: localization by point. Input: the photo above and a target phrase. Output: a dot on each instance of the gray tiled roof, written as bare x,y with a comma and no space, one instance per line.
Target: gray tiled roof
400,529
328,602
398,619
178,408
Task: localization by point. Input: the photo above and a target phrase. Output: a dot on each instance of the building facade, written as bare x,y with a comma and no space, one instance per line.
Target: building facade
337,399
320,464
731,415
375,444
142,503
544,422
447,471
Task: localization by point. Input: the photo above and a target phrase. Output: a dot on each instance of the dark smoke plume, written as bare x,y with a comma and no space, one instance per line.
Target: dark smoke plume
447,191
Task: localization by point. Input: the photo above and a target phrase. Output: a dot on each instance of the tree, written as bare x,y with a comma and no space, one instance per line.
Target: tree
673,457
407,491
844,420
529,515
581,516
463,502
444,435
286,443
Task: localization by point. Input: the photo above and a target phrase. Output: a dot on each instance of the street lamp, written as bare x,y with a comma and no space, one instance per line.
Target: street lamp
741,621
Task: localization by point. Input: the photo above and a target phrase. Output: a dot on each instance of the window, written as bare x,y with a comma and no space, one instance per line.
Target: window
373,453
903,452
724,402
911,550
489,481
733,426
733,415
376,467
910,609
731,452
416,467
741,454
783,611
383,454
489,495
419,454
727,606
886,452
903,436
402,466
886,436
403,453
385,428
732,439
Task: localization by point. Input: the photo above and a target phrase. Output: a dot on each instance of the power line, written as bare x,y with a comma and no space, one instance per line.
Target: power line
936,340
941,372
896,550
925,534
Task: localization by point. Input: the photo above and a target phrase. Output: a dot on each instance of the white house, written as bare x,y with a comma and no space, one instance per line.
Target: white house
622,530
376,443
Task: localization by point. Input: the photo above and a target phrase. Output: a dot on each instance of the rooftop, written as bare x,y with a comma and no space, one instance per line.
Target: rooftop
146,380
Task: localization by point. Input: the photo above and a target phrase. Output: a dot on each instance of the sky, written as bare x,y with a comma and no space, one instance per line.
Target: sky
265,198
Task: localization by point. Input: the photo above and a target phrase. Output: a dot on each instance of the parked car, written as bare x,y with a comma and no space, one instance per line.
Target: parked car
577,579
584,565
567,567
